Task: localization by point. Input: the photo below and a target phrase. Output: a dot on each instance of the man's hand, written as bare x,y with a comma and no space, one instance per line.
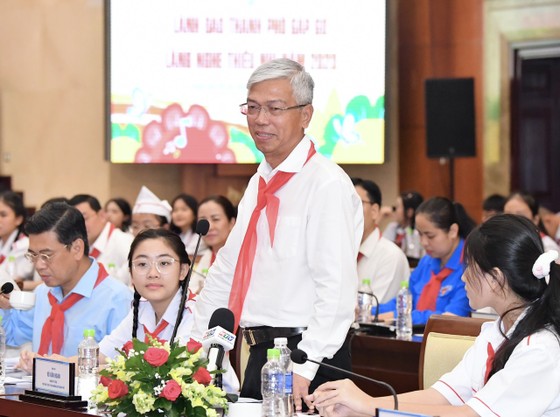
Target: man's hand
300,391
5,301
26,361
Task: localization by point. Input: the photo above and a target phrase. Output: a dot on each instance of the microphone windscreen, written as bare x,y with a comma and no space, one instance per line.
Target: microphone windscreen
202,227
7,288
224,318
298,356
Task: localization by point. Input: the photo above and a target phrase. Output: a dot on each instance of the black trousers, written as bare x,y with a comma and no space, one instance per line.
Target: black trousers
257,358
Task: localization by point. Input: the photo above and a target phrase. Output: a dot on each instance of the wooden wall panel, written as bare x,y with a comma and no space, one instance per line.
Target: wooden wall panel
438,39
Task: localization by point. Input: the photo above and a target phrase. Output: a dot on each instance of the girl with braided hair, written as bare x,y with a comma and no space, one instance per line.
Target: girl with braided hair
158,266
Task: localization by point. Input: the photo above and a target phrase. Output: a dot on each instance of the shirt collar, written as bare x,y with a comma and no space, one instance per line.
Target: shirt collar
102,239
293,163
6,247
84,286
368,246
147,316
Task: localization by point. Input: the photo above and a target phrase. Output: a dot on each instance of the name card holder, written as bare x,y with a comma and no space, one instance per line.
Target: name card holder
54,385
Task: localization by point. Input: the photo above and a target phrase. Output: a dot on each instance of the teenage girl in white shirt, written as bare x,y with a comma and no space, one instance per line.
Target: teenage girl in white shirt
158,266
513,369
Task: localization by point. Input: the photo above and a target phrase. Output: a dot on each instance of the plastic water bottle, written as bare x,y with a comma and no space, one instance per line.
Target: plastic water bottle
365,301
2,354
272,386
404,312
281,343
88,364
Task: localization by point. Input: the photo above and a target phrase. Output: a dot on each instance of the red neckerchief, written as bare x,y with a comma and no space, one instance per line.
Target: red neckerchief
53,328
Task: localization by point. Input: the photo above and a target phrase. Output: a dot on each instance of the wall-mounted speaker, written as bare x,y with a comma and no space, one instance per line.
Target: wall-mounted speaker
450,121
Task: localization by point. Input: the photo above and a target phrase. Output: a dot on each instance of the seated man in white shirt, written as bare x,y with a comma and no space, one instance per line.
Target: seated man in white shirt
107,244
379,259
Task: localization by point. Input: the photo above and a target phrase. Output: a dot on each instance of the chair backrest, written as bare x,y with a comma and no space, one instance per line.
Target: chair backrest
446,339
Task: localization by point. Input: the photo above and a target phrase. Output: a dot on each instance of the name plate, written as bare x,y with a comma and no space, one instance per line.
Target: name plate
53,377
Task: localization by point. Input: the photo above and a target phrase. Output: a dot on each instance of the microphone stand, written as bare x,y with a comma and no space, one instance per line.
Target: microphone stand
202,228
383,384
376,317
336,368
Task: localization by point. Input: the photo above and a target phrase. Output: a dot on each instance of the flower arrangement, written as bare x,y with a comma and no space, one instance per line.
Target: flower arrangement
156,379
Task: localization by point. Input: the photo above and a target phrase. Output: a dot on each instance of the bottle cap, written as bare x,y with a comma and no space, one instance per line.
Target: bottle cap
366,281
404,284
89,333
280,341
11,258
273,354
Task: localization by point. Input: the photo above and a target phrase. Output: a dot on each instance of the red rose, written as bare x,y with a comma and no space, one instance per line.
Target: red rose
202,376
105,381
127,347
193,346
171,390
117,389
156,356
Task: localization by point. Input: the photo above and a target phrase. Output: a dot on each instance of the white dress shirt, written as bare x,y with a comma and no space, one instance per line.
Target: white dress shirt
16,245
384,264
309,277
528,385
114,250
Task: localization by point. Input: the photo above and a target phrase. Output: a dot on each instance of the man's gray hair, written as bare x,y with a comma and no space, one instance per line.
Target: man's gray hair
300,80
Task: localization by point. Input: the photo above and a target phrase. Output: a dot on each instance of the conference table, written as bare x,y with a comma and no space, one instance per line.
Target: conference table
381,357
387,359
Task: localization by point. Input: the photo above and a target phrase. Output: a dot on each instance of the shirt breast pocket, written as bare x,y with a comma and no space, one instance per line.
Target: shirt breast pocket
287,236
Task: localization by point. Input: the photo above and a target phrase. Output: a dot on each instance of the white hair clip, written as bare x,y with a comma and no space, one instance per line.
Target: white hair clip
541,267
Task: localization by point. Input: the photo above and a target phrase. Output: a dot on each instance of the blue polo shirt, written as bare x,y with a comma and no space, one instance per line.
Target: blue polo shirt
452,297
102,309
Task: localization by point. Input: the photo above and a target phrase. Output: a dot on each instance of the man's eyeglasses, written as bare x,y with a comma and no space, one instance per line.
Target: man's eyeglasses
45,257
163,265
253,109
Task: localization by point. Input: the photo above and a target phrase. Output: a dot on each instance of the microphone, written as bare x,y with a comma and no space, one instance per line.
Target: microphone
218,339
300,357
7,288
202,227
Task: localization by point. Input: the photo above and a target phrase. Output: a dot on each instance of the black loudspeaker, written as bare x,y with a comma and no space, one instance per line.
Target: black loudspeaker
450,123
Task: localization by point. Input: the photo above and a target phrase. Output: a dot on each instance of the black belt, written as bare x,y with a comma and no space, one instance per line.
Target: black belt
256,335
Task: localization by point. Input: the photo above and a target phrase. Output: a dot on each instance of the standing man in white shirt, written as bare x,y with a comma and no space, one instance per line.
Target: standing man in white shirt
108,244
379,259
288,268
